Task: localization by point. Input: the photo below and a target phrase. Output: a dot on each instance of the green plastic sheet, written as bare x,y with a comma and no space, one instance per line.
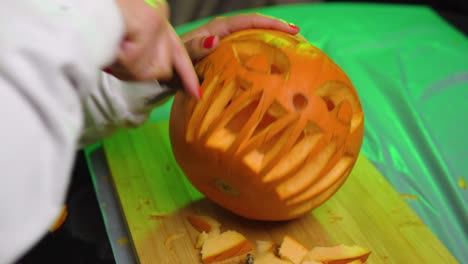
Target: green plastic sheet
410,68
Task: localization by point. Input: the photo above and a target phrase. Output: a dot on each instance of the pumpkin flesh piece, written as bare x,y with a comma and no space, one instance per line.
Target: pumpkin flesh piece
340,254
224,246
203,223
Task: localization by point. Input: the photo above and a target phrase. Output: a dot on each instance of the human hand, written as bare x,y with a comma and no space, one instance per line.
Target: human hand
202,40
152,50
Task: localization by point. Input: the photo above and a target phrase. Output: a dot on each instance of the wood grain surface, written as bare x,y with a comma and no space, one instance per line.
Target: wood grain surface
155,199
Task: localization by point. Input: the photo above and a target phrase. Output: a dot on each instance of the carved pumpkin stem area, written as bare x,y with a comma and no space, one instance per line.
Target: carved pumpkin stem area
278,130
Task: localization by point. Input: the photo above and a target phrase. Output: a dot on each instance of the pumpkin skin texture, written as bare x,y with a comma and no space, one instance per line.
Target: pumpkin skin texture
278,129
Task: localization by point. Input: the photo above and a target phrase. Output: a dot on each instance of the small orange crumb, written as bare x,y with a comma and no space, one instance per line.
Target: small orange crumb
462,183
157,216
142,203
173,237
335,218
123,241
407,196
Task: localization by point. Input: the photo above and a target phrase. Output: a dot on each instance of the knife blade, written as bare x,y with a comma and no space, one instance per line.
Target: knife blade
169,88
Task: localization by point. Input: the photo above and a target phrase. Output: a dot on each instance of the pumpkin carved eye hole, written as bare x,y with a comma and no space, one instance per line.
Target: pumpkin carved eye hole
299,101
275,69
329,103
260,57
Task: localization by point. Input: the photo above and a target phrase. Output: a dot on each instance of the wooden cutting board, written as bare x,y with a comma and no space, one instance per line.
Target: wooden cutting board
155,199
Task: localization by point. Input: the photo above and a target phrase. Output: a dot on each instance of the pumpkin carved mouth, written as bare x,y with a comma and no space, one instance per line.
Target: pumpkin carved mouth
279,127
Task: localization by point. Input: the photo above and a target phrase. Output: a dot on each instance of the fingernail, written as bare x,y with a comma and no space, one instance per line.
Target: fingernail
107,70
208,42
293,26
200,95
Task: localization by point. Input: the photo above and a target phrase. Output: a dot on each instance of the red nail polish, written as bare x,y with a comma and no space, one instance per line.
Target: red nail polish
107,70
200,95
208,42
293,26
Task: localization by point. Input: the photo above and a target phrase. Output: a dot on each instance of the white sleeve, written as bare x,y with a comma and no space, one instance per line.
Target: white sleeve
50,53
117,104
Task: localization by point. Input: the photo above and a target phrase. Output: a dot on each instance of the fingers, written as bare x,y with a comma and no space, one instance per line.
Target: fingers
184,68
256,21
146,63
145,53
224,26
157,64
201,41
199,47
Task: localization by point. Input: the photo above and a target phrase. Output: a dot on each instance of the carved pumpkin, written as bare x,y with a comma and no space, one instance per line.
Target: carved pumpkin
278,130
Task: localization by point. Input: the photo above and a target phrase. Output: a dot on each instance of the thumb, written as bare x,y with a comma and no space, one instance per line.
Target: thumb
200,46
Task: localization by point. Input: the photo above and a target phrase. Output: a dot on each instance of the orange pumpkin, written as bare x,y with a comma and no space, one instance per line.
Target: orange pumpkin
278,130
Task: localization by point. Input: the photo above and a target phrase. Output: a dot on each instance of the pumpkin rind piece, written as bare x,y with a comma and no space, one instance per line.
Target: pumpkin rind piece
340,254
203,223
224,246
